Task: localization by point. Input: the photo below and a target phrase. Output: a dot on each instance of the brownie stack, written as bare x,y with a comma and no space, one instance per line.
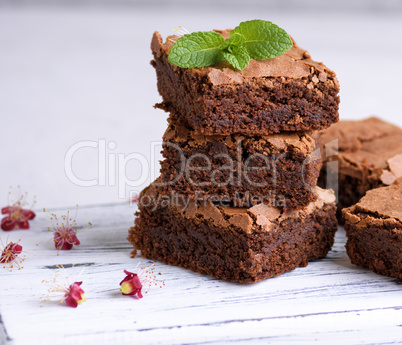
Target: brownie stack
237,197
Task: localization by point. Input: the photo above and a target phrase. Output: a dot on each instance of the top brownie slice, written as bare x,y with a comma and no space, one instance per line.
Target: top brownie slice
291,92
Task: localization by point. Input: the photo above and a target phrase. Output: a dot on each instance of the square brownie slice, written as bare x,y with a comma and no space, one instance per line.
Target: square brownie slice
278,169
291,92
238,244
374,230
366,154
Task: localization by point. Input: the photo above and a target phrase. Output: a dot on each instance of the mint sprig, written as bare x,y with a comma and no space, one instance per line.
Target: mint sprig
253,39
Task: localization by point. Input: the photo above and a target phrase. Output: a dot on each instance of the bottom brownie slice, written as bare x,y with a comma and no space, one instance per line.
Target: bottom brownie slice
374,230
238,244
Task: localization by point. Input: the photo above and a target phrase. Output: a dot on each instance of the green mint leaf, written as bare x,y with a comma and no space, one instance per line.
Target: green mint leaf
235,40
263,39
234,52
238,57
197,49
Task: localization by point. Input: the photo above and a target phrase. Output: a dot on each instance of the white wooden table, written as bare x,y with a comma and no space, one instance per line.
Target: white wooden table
329,301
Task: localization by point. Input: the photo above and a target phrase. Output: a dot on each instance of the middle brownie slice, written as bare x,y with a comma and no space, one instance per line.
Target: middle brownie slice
280,170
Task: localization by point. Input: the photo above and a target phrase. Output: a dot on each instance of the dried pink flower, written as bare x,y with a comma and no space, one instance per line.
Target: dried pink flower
135,198
74,295
71,293
10,255
65,232
17,216
133,283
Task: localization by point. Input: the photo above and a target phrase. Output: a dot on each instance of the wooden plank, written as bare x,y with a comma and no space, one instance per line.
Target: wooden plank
330,300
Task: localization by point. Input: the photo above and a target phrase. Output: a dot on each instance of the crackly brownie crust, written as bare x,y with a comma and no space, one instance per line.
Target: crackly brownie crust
279,169
366,154
374,230
291,92
237,244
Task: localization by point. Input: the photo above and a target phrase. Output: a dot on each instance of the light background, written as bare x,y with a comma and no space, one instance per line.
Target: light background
79,70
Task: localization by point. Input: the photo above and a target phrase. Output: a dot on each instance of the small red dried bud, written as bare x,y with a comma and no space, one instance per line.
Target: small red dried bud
61,289
74,295
134,283
65,238
131,285
65,232
10,253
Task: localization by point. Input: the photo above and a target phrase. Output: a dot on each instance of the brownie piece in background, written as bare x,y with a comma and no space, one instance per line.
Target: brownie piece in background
279,169
374,230
367,155
290,92
237,244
